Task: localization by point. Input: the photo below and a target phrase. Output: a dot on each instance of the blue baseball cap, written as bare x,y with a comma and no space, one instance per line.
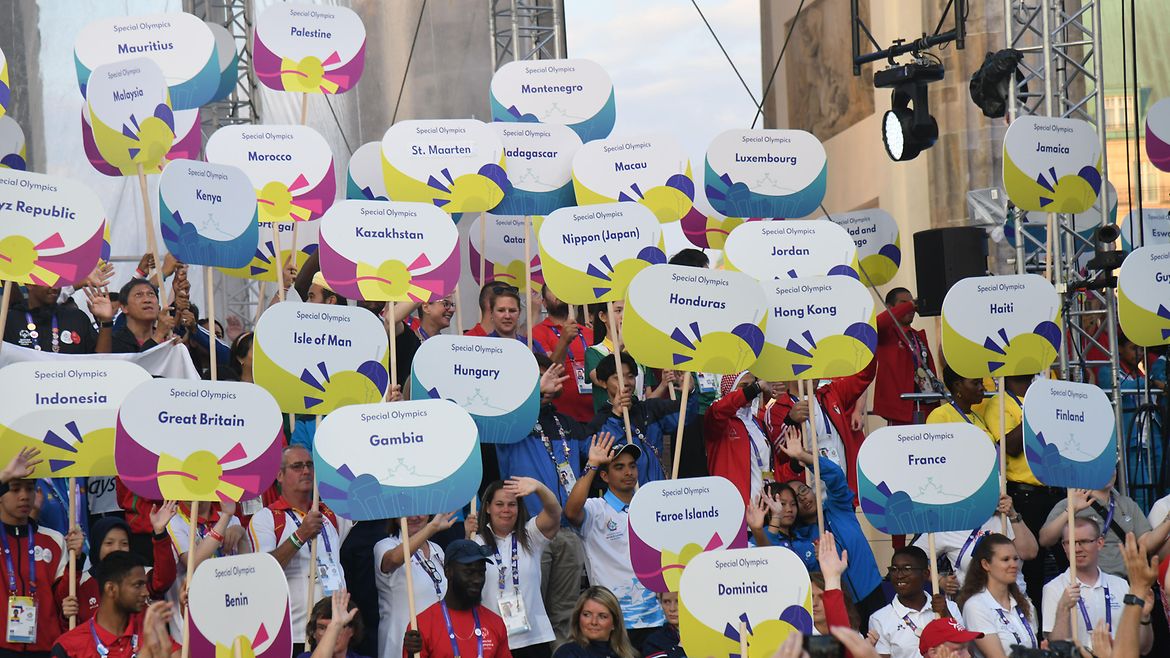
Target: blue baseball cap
465,551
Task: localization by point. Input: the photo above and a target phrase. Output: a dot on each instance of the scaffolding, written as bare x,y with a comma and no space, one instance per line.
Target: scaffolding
526,29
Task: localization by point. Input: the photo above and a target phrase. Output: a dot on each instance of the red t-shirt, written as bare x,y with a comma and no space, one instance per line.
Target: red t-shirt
436,643
78,643
572,403
477,330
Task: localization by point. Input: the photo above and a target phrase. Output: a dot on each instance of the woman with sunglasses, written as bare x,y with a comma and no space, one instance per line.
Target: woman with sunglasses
426,565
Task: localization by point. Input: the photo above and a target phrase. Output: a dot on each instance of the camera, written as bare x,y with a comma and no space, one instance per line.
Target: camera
1056,649
823,646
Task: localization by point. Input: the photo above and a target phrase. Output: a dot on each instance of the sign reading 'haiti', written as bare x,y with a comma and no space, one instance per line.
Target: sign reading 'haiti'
454,164
1051,164
308,48
766,173
1143,290
1070,439
653,171
572,92
995,326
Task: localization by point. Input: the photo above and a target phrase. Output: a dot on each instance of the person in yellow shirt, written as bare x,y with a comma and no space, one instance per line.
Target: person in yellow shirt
966,392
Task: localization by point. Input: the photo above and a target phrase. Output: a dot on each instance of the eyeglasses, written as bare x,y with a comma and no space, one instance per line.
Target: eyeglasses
1080,543
904,570
447,303
300,466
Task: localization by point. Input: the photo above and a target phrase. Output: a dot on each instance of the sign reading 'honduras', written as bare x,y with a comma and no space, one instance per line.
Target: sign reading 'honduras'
928,478
1154,230
454,164
994,326
818,327
389,251
68,410
291,168
1158,134
766,173
198,440
187,146
653,171
266,260
1143,296
208,214
240,599
589,254
494,379
314,358
180,45
766,588
13,150
1051,164
773,250
1070,439
540,167
309,48
130,113
573,92
378,461
50,229
503,248
363,179
672,521
696,320
879,246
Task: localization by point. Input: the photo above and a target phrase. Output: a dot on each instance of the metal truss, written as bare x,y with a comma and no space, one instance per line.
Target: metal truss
526,29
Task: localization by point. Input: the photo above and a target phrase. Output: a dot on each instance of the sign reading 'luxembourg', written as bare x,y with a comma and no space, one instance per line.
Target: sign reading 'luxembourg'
540,167
928,478
1070,439
818,327
494,379
198,440
307,48
572,92
1143,296
454,164
378,461
879,246
672,521
589,254
66,409
240,600
389,251
265,258
772,250
50,229
765,588
1158,134
208,214
766,173
696,320
995,326
363,180
314,358
1051,164
653,171
503,248
131,116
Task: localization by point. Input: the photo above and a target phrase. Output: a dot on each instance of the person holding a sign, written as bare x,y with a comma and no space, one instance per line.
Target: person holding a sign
428,579
645,385
899,624
737,446
905,364
506,316
966,393
1116,514
993,603
566,342
146,324
45,326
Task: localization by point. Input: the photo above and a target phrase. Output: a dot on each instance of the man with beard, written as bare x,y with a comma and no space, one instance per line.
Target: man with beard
145,326
45,326
565,342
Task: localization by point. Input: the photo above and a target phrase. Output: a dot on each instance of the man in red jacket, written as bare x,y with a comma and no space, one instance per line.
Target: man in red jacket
905,364
738,448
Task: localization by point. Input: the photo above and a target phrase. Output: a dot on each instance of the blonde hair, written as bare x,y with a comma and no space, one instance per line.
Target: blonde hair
619,641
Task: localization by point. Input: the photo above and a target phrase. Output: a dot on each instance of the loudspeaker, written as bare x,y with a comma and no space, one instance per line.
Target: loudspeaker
943,256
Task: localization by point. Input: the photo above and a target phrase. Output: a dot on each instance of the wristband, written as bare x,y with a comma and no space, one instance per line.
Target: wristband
106,324
589,467
160,535
211,532
296,541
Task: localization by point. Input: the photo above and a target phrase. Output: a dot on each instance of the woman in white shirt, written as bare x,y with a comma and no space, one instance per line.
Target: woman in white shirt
426,564
512,588
992,602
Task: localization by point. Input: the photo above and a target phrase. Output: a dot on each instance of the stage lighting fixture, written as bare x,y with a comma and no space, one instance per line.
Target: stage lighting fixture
990,85
907,127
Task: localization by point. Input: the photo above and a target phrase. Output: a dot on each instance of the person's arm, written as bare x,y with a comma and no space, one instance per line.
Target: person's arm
754,512
20,467
342,616
833,564
163,574
1024,540
1057,525
549,519
1142,575
396,557
1154,541
569,333
304,277
206,548
1062,620
599,455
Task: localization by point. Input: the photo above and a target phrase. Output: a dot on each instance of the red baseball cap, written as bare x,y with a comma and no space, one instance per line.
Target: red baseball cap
944,630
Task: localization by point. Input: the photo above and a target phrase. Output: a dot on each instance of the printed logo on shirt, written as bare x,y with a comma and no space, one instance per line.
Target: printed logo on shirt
612,525
42,554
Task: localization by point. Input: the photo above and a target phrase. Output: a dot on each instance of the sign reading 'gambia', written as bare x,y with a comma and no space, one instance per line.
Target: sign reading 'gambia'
928,478
454,164
314,358
572,92
879,246
198,440
696,320
363,179
311,49
765,588
818,327
389,251
208,214
1051,164
1070,439
653,171
995,326
494,379
540,167
1143,296
131,116
589,254
13,150
377,461
765,173
265,258
672,521
773,250
67,410
240,600
503,248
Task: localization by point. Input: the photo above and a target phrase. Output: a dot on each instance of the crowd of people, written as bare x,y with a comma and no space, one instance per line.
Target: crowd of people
542,568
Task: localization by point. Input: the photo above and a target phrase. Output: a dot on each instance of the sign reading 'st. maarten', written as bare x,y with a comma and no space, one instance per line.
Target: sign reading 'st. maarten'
457,165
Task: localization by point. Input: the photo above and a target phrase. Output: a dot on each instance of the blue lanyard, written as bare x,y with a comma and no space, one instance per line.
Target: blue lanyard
451,630
32,561
35,335
515,566
976,536
423,333
324,530
1017,400
557,333
1108,612
965,416
103,650
433,574
1024,621
1112,506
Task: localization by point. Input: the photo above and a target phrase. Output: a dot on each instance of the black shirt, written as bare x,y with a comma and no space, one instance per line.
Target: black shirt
75,332
124,342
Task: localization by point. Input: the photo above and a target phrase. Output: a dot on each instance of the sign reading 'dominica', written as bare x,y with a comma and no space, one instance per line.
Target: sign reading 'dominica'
454,164
198,440
265,258
540,167
188,142
240,600
314,358
767,588
208,214
879,246
378,461
13,149
1070,439
67,410
1143,302
694,319
291,168
653,171
766,173
573,92
50,229
131,116
494,379
818,327
311,49
672,521
1158,134
589,254
1051,164
773,250
928,478
363,178
995,326
503,248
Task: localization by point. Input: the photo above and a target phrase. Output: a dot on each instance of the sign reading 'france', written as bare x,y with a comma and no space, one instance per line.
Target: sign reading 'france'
653,171
208,214
1143,296
309,48
572,92
995,326
766,173
772,250
1070,439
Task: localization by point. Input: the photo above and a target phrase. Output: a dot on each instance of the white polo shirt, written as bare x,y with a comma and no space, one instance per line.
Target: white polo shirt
958,545
898,627
983,614
605,533
1108,590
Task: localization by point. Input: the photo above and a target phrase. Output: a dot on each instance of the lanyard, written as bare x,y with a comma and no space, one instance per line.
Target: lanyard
548,444
976,536
324,530
1024,620
515,567
433,574
422,333
35,335
968,418
1108,612
1112,506
32,561
643,441
103,650
557,333
451,631
911,625
1016,399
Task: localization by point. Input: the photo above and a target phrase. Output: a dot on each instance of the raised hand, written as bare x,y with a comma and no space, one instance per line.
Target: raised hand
22,465
441,522
792,442
755,512
342,614
521,486
553,379
599,449
832,563
99,303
